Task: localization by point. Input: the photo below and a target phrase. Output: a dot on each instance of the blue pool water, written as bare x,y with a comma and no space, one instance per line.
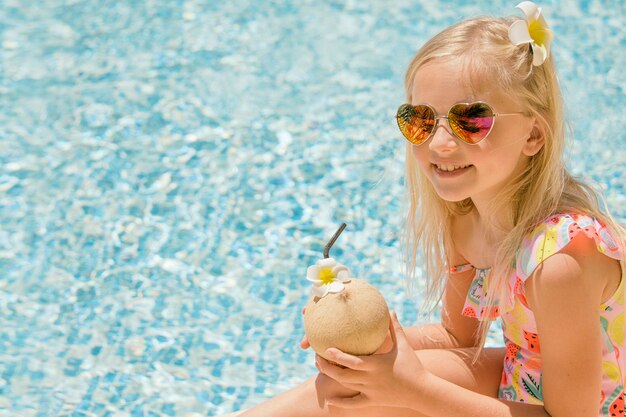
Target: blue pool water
168,169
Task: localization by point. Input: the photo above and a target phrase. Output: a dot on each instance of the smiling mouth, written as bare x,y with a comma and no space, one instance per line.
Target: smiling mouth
450,167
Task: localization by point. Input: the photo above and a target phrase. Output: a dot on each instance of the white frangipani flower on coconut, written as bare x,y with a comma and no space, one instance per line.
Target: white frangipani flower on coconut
327,276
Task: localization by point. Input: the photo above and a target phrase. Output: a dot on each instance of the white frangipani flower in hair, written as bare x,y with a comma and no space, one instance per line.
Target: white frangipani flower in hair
534,30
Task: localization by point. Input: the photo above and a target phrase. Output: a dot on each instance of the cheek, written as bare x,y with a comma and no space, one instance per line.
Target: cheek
502,144
510,135
501,159
420,154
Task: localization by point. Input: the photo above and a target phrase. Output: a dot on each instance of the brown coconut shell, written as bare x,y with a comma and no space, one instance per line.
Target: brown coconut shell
355,320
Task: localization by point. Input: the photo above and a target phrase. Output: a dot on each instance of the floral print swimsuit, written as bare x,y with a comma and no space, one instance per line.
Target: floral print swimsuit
521,376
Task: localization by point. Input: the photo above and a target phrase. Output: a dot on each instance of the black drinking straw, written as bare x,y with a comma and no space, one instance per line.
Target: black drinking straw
332,240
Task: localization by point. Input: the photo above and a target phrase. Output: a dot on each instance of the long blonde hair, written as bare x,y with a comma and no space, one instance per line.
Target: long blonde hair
543,189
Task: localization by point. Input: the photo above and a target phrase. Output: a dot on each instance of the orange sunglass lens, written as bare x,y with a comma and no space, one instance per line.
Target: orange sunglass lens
415,122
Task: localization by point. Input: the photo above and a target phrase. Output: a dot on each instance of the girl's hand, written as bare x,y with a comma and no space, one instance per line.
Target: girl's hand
387,379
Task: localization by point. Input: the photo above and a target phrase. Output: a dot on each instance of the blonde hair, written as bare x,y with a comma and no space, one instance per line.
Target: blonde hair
543,189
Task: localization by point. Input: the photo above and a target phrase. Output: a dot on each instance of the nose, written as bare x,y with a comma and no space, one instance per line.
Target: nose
442,139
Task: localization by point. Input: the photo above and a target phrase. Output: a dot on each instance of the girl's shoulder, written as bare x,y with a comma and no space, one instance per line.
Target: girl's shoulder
555,233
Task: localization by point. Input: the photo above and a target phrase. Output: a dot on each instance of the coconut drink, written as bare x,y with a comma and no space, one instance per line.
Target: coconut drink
343,312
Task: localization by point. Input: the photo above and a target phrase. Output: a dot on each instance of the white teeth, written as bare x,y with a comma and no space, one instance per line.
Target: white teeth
450,167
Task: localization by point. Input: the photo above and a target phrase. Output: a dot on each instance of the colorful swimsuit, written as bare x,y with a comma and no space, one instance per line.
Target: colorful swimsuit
521,376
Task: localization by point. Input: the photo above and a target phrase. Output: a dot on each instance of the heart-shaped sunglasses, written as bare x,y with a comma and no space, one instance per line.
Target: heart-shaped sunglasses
470,122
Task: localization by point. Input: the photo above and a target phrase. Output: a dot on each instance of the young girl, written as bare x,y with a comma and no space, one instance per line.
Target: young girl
505,231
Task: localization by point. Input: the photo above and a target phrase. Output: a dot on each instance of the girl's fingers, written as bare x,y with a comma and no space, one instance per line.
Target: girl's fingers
358,401
304,343
349,361
345,376
397,332
392,328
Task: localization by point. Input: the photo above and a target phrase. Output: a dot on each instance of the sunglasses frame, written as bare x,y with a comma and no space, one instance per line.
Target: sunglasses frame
447,117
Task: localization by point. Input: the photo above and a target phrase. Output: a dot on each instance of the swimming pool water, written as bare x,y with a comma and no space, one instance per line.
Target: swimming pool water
168,169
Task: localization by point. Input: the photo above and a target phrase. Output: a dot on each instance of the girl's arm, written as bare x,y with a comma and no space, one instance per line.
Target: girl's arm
455,330
565,293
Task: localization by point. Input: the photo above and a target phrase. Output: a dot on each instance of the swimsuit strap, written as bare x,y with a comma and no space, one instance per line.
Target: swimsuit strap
457,269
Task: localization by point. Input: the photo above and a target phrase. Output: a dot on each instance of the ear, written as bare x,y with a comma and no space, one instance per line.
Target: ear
535,139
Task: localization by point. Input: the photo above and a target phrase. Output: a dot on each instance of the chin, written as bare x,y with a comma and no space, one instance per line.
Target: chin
452,196
453,199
